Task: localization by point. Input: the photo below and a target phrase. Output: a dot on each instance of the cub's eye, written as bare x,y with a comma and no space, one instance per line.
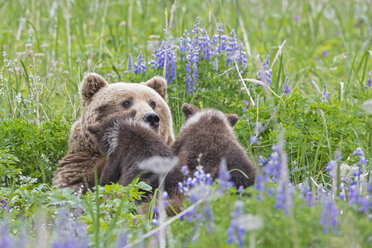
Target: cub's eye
152,104
127,103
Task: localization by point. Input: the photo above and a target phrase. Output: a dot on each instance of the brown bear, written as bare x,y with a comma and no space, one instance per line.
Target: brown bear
101,101
205,138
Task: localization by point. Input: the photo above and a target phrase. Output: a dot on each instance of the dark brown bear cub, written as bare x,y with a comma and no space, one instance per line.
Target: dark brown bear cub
127,142
205,138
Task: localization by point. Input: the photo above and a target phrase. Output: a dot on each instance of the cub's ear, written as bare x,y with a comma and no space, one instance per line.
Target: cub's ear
159,84
232,119
91,84
188,110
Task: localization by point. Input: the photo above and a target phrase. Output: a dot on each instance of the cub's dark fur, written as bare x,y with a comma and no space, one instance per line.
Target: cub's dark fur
127,142
207,136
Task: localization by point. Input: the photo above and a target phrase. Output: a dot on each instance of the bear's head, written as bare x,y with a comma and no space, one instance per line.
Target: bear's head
189,111
101,101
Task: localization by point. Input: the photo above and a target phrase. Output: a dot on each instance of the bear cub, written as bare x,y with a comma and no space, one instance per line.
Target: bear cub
127,142
205,138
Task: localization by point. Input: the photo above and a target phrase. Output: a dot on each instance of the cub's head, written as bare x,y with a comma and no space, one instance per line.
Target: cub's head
208,117
107,132
101,101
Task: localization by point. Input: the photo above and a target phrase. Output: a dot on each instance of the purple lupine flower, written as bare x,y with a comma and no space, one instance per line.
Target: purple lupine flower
215,64
122,240
236,232
140,65
306,194
196,28
155,217
272,169
264,74
185,170
332,168
253,140
6,240
240,224
369,82
286,89
324,98
330,213
364,205
192,58
240,189
129,64
232,48
261,161
235,52
184,44
218,42
5,203
360,154
224,176
164,54
284,195
285,190
68,232
205,50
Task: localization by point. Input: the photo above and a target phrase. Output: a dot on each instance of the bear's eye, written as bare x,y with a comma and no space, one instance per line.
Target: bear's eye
152,104
127,103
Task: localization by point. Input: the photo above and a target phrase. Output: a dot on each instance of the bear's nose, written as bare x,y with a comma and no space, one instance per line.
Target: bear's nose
152,119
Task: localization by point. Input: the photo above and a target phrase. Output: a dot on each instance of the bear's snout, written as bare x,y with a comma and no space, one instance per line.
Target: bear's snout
152,119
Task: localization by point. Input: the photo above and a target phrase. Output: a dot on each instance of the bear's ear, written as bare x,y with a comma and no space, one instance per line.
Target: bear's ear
232,119
188,110
91,84
159,84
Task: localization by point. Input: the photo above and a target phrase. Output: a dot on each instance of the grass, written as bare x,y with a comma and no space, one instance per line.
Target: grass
48,45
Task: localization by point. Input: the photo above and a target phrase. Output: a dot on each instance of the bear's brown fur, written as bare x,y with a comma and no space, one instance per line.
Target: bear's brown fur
126,143
205,138
101,101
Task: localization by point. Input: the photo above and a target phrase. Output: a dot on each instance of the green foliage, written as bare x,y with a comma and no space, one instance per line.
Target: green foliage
32,150
49,45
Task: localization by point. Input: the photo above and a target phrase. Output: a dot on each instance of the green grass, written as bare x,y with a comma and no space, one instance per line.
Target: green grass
52,44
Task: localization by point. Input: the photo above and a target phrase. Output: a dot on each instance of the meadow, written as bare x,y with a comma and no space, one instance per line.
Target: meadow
297,73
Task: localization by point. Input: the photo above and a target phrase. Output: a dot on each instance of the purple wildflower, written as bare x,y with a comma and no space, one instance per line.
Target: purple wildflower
218,42
286,89
164,55
325,54
68,232
129,65
253,140
306,194
264,74
5,203
331,168
285,190
236,232
140,65
296,18
328,218
155,218
324,98
215,64
224,176
6,240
